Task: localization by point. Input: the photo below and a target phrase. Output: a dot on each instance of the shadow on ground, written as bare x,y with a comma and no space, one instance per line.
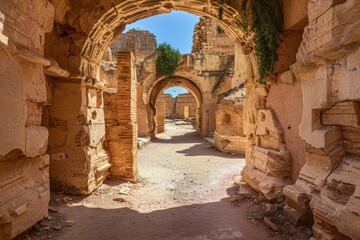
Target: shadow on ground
197,221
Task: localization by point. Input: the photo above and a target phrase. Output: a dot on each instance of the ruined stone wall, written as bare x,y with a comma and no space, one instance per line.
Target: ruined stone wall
141,42
273,113
182,101
327,187
169,104
285,100
24,166
229,134
78,163
206,38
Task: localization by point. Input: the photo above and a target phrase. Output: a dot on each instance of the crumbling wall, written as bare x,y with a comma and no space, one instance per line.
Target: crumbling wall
182,101
141,42
24,166
229,134
273,113
75,119
268,161
169,104
328,66
207,38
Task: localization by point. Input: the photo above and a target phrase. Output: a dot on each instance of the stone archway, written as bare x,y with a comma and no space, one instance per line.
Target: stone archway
115,19
84,31
160,85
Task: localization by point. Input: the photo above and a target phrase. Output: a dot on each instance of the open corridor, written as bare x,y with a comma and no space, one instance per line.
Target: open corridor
183,193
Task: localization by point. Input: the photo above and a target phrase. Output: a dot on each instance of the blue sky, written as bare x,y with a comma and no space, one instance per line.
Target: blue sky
175,28
174,91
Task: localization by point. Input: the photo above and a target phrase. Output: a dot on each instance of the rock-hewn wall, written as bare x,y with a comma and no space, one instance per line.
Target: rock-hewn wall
328,67
285,100
24,166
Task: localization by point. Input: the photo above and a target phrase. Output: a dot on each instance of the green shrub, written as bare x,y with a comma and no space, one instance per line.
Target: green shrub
266,20
167,60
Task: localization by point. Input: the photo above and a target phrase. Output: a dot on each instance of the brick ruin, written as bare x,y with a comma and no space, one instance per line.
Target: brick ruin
72,109
180,107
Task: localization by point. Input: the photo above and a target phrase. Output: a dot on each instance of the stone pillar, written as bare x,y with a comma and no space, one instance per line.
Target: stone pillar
205,114
160,117
142,118
121,125
78,163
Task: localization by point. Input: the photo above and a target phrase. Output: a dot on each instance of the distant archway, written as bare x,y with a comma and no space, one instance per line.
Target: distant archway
161,84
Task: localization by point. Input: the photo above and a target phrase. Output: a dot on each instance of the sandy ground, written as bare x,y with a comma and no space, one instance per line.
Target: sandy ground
183,193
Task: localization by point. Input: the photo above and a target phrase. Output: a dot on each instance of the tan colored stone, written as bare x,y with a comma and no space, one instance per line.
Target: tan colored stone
160,117
345,113
36,141
287,77
295,13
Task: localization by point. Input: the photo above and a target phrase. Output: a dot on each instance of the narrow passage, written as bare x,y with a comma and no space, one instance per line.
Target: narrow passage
182,194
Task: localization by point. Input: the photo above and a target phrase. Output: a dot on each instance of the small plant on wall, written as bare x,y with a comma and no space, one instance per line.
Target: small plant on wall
167,60
265,18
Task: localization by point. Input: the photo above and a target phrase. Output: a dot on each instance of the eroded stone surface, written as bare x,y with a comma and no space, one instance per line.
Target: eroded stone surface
326,68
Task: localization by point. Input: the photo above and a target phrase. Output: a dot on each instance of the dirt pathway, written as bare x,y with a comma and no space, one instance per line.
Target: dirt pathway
183,193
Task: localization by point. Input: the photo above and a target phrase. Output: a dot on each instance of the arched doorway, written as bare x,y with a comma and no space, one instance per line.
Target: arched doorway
163,84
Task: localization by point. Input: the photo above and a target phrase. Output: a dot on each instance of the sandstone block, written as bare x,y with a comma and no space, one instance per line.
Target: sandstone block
36,141
34,114
96,134
342,114
287,78
34,87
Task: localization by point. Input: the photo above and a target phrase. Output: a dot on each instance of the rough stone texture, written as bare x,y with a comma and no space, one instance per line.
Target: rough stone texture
268,167
169,104
121,125
25,192
185,101
327,185
78,161
295,14
208,39
141,113
229,135
160,117
141,42
286,102
24,167
327,67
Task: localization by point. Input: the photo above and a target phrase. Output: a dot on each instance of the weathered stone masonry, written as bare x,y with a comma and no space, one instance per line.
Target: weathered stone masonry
60,118
121,126
24,164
